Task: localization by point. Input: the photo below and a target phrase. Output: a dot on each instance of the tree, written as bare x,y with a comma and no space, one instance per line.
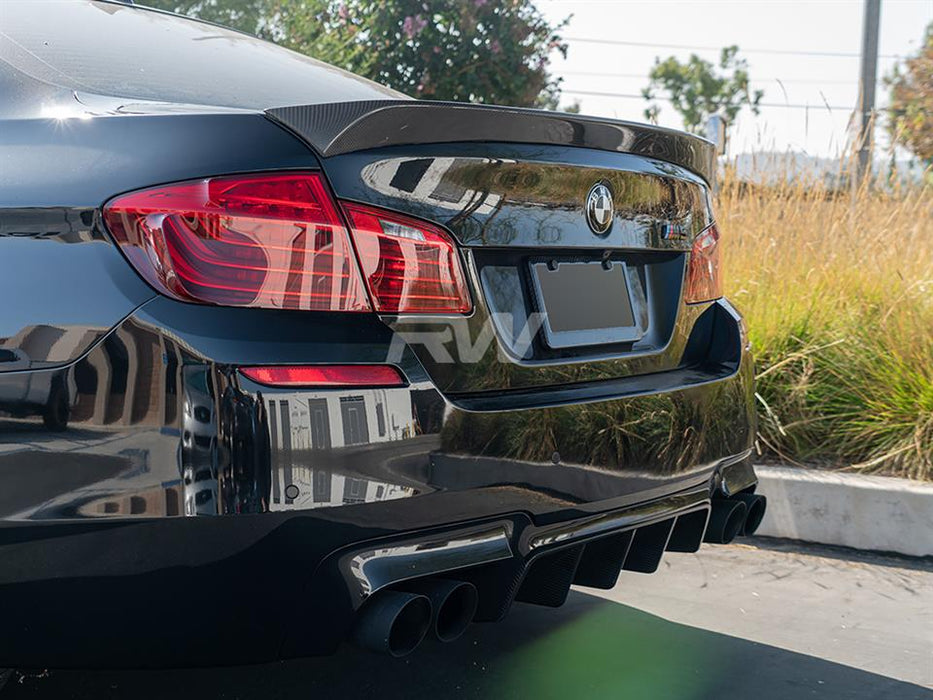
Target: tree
911,109
250,16
698,89
469,50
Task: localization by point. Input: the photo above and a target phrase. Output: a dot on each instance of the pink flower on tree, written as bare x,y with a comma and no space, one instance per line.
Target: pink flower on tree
412,26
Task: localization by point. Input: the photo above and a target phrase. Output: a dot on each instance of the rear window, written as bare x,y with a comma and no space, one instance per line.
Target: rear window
131,52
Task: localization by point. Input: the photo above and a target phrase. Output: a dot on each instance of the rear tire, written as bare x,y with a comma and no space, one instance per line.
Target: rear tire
57,411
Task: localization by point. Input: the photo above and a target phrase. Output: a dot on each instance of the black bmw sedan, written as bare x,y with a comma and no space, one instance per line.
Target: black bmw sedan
288,359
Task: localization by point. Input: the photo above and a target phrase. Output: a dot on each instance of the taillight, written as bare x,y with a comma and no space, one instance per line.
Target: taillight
276,240
267,240
409,266
324,375
703,278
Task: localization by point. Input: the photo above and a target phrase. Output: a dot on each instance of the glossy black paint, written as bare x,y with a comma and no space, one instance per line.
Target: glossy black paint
184,62
156,507
342,128
159,399
494,195
82,161
70,283
217,448
71,286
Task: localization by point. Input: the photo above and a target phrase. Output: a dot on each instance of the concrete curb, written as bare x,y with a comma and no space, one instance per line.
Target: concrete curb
876,513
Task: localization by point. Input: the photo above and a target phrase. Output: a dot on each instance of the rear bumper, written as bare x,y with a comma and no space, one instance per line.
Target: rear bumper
229,590
301,504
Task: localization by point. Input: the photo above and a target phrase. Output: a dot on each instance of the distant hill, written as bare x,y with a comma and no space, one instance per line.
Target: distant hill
770,167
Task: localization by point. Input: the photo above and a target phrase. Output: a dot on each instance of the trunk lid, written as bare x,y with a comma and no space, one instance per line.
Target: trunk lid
555,299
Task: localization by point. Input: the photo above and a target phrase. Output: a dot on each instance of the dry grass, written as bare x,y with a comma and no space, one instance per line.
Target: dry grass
838,294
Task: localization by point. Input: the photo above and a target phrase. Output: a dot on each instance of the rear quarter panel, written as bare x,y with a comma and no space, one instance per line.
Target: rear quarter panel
68,282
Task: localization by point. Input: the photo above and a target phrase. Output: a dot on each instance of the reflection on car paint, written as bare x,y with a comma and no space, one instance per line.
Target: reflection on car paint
170,433
526,201
307,427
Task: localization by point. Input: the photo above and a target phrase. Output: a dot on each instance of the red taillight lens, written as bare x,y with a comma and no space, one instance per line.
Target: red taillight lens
409,266
703,279
325,375
267,240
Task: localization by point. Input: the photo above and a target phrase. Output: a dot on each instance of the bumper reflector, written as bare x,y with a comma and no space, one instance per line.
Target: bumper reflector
324,375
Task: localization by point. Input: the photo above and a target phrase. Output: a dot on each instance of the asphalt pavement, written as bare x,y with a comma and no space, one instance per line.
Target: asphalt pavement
763,620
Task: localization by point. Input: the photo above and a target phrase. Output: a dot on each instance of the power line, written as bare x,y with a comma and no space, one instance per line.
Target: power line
789,81
630,96
787,52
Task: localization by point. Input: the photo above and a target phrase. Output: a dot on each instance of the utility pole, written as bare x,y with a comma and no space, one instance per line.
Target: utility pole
866,95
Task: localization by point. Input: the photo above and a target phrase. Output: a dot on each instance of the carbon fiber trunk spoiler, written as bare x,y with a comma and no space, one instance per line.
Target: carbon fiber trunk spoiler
344,127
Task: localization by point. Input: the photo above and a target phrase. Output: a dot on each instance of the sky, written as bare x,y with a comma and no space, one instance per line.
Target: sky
827,26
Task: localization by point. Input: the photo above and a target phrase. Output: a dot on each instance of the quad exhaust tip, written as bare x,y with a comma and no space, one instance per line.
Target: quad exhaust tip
726,520
393,623
740,514
756,506
453,603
